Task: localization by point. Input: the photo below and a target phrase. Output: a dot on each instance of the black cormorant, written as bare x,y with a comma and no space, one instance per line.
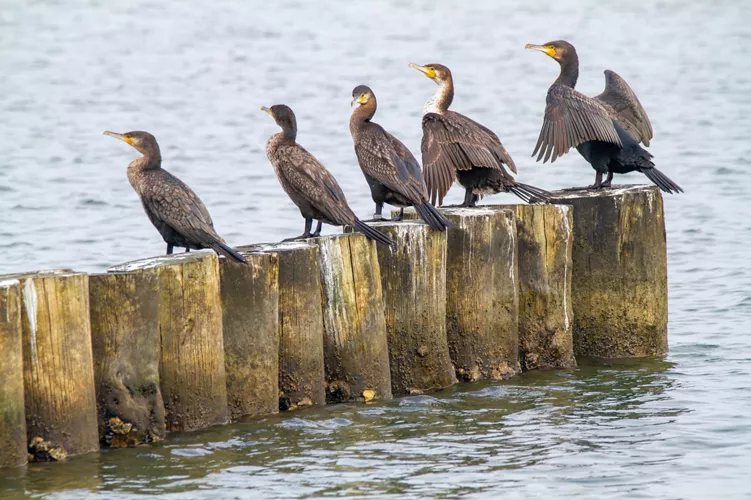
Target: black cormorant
310,186
606,129
456,147
174,209
393,174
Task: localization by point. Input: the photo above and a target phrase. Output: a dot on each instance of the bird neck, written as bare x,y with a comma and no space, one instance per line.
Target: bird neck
569,71
363,113
441,100
288,133
151,160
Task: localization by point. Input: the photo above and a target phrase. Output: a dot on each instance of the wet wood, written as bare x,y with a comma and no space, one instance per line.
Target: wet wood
619,282
482,299
413,278
544,235
250,317
301,367
60,401
12,415
355,341
191,372
125,342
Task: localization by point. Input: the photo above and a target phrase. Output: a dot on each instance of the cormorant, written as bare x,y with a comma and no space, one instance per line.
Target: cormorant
456,147
174,209
606,129
310,186
393,174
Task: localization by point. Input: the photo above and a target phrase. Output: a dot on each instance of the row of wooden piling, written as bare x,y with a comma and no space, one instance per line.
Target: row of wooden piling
184,342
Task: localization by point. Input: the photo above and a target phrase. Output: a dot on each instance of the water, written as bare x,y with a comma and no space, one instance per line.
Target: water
195,77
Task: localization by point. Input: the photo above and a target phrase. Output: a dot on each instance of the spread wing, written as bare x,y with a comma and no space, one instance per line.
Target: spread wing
310,179
384,158
452,142
624,107
572,118
169,201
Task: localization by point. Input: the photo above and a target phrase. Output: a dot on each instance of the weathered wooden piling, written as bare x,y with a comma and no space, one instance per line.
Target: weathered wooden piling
125,342
544,236
482,299
60,402
250,317
301,368
12,416
619,282
413,278
191,372
355,341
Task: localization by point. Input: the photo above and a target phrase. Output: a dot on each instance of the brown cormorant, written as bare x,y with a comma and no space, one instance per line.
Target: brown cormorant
174,209
606,129
393,174
456,147
310,186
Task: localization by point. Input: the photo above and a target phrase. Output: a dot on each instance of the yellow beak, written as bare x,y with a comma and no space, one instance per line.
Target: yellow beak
545,49
122,137
264,108
429,72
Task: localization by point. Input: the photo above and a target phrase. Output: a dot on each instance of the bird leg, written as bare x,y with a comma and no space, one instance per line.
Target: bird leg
470,199
378,215
187,249
597,185
317,232
608,182
305,234
400,216
170,248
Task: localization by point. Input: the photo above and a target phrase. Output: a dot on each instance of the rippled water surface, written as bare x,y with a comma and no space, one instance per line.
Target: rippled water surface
195,75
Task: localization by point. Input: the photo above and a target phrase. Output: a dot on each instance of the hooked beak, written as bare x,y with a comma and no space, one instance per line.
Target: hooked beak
542,48
122,137
264,108
430,73
361,99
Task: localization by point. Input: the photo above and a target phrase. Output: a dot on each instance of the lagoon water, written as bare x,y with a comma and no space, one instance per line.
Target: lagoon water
195,75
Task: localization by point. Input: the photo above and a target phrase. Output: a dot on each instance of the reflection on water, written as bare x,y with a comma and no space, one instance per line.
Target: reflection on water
194,74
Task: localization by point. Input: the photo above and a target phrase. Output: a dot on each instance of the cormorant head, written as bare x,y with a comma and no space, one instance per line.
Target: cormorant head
361,95
283,116
560,50
436,72
144,142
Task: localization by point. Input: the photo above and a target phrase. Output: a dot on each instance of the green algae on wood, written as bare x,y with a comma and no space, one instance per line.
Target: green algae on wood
192,373
125,342
619,283
250,316
12,415
482,299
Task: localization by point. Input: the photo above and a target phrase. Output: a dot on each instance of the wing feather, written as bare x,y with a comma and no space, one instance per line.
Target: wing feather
624,107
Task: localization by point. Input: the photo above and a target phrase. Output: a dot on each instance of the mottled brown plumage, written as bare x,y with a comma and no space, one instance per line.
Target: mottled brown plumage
455,147
392,172
606,129
307,182
174,209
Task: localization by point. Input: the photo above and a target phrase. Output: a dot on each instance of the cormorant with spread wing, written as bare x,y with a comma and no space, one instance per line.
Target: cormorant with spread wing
606,129
393,174
310,186
455,147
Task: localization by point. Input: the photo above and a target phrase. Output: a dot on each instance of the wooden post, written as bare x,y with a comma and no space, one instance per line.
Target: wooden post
250,317
544,236
125,341
482,299
413,278
301,367
355,342
12,416
60,401
191,371
619,286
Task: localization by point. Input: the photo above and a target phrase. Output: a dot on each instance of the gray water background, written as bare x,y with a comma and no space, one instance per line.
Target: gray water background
194,74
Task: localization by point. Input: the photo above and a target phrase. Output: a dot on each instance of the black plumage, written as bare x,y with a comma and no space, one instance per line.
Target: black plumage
606,129
392,172
455,147
174,209
307,182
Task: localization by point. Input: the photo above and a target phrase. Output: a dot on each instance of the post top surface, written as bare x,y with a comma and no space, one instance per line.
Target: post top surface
604,193
161,260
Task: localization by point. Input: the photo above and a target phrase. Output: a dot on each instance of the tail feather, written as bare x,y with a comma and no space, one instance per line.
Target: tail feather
434,218
372,234
530,194
662,181
227,251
